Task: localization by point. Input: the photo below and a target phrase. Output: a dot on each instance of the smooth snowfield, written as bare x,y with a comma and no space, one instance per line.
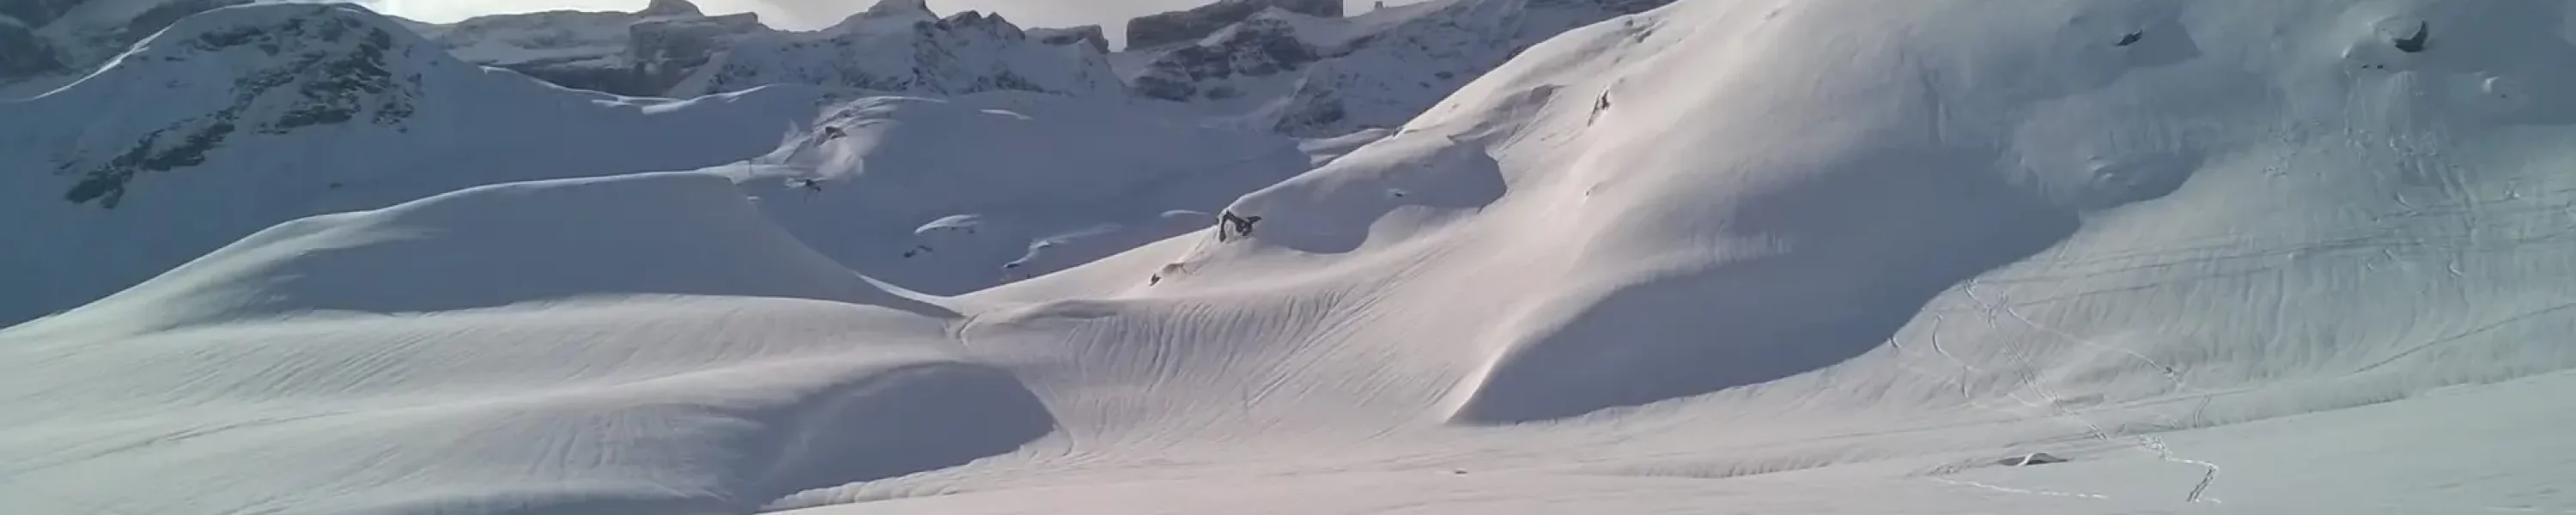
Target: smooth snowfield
1748,256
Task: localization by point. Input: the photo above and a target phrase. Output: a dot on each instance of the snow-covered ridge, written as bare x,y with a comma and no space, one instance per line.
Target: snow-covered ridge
242,117
672,49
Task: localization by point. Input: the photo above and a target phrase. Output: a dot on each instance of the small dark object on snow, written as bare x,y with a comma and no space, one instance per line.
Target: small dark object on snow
1461,472
2036,458
2130,39
1239,225
832,132
2415,43
916,250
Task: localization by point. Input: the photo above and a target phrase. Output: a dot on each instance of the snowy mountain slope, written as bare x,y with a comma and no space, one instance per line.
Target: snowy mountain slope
955,195
547,358
643,53
240,118
1949,230
900,46
1771,256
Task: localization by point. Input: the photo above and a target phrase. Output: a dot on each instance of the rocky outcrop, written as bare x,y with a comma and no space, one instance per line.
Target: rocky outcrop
643,53
1264,45
670,8
900,47
23,53
1169,28
273,70
1087,35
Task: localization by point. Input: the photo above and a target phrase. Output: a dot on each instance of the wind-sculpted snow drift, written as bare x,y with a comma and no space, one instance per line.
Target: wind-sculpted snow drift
1768,256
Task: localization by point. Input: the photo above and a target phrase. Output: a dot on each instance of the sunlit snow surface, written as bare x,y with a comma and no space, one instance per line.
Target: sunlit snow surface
1749,256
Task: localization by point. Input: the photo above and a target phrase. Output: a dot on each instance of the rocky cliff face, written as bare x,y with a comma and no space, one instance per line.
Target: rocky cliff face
1182,26
1264,45
23,52
643,53
900,46
231,74
1329,76
1087,35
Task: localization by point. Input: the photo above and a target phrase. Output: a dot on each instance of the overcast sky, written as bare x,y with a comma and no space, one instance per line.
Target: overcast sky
811,14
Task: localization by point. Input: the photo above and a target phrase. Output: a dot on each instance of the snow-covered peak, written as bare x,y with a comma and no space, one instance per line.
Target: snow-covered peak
886,15
898,9
895,48
671,8
232,73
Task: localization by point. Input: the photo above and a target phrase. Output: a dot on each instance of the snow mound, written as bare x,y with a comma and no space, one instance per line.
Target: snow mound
520,242
1034,174
631,345
243,117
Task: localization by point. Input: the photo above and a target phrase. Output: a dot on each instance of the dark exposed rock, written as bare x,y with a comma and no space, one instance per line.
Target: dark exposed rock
976,21
895,48
23,53
36,13
1180,26
1257,47
638,54
664,52
2415,43
328,67
1090,35
671,8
